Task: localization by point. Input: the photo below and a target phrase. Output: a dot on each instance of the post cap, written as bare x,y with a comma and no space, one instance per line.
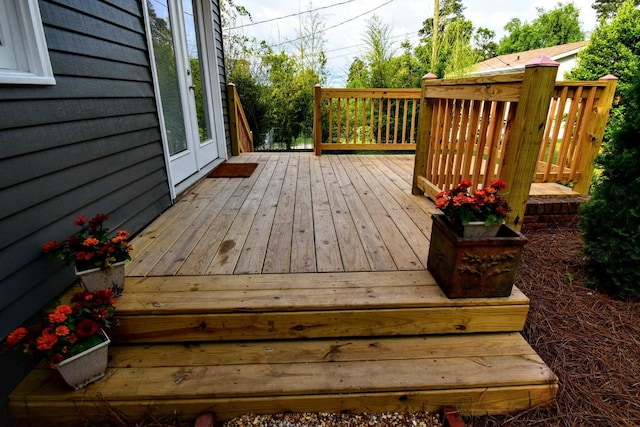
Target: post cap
543,61
608,77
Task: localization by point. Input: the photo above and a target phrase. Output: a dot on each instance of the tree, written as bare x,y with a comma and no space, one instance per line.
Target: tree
253,97
406,70
607,9
558,26
358,74
236,45
610,220
484,45
379,52
310,44
457,48
614,48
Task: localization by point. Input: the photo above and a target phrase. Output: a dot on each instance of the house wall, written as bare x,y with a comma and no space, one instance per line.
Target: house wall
221,70
89,144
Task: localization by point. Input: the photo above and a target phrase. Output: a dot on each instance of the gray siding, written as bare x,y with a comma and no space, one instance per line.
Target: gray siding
217,28
89,144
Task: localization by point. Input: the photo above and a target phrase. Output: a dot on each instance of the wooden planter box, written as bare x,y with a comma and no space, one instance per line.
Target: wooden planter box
474,268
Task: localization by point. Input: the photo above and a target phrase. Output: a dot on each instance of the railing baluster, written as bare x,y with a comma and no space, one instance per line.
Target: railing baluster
569,130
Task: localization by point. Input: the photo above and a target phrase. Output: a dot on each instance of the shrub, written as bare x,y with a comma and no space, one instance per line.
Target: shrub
610,221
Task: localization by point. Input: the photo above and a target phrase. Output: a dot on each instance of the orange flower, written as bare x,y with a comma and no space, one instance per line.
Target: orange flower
16,336
57,317
46,341
90,241
64,308
62,331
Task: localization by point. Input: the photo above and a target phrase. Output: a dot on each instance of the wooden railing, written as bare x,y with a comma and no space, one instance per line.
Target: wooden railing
481,128
573,134
241,135
365,119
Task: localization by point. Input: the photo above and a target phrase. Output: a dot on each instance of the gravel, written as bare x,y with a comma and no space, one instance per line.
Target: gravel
387,419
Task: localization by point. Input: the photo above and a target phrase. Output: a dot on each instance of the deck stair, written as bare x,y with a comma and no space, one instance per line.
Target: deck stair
361,342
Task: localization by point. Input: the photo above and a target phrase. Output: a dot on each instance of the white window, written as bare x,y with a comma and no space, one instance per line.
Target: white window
24,58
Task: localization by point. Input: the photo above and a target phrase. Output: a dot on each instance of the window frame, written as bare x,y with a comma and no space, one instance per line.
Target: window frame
29,45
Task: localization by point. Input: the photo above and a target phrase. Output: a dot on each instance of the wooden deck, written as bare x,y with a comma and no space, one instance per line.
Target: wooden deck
301,288
296,213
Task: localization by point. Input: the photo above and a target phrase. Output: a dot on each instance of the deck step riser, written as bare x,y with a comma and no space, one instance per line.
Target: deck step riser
319,324
478,374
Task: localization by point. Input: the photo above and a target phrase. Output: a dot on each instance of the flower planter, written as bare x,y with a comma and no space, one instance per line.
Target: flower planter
108,278
84,368
474,268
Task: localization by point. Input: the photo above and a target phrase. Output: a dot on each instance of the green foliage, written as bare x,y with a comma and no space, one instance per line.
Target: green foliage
558,26
610,220
614,49
379,53
252,96
607,9
484,45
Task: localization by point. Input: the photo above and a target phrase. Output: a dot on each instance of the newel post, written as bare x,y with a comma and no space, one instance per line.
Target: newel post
233,119
594,134
519,163
424,136
317,120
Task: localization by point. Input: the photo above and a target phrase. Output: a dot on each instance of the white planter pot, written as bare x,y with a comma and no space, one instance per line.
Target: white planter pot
477,230
109,278
86,367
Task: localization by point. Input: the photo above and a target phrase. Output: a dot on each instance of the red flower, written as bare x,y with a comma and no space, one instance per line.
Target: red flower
84,256
80,221
97,220
87,328
50,246
100,313
498,184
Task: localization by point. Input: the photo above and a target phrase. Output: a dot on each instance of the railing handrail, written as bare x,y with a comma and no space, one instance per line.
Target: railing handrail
241,135
365,118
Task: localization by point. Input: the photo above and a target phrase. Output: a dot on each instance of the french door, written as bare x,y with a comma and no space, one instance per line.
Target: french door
184,54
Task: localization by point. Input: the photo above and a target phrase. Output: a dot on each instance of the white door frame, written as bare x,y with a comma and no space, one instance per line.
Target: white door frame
216,118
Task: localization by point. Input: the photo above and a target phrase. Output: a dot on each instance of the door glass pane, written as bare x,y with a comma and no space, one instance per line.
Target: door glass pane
165,57
196,58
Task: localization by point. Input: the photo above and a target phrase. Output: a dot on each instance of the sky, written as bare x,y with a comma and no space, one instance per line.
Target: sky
404,17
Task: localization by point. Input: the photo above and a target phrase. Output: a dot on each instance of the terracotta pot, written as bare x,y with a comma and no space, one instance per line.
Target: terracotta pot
84,368
474,268
108,278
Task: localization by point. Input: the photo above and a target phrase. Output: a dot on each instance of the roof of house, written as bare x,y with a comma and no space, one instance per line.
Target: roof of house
517,60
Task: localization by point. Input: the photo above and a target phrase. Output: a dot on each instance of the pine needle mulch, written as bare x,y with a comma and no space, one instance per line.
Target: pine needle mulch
589,339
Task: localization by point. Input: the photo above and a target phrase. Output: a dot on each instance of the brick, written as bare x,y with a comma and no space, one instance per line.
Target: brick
530,218
206,420
452,417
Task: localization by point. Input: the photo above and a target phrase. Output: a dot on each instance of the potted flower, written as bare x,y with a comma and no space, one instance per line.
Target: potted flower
472,265
99,259
474,213
72,337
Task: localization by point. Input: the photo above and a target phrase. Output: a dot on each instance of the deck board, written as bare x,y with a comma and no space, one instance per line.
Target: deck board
296,213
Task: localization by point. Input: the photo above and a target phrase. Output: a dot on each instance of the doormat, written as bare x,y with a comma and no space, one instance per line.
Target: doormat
233,170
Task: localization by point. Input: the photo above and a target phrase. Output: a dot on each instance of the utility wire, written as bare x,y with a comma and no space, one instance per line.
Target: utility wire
334,26
289,16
